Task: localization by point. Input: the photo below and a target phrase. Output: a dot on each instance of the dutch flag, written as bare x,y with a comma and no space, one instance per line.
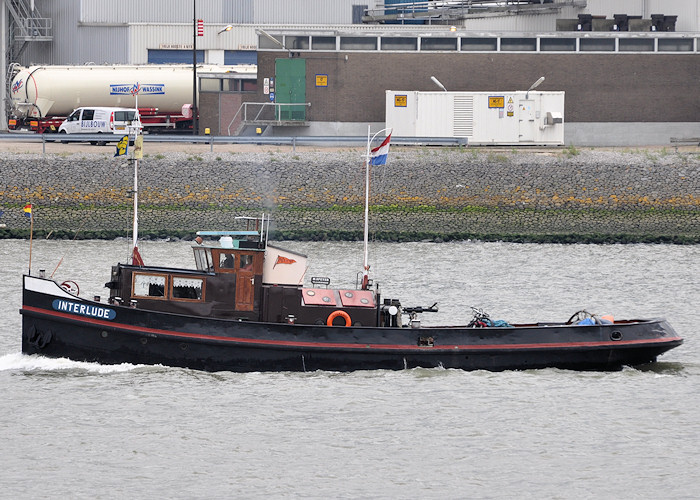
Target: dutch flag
379,154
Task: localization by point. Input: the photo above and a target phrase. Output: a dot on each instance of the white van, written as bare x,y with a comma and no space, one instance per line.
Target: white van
95,120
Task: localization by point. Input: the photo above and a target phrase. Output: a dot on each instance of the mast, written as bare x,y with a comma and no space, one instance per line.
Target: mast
365,263
137,153
135,231
381,151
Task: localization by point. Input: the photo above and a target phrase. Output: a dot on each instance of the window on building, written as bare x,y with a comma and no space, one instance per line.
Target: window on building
297,42
557,44
399,43
597,44
518,44
210,84
479,44
636,45
323,42
438,43
675,44
358,43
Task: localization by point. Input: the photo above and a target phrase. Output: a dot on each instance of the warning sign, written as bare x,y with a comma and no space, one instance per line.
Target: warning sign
511,107
496,101
322,80
400,101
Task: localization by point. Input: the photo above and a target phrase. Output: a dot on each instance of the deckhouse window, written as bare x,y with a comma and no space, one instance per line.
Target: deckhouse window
246,262
149,285
187,288
202,258
227,260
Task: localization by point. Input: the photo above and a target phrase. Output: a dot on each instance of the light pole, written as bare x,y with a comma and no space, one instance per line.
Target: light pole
437,82
534,86
195,124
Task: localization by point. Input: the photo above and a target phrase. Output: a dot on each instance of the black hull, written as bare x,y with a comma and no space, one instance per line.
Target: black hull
115,334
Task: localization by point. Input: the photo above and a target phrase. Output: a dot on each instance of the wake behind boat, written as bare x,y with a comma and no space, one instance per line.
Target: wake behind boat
246,305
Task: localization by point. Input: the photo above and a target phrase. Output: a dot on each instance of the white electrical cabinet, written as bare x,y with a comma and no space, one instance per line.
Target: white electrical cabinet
494,118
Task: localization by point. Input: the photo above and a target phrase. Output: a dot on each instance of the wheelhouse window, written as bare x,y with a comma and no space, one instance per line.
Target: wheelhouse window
227,260
149,285
203,260
246,262
187,288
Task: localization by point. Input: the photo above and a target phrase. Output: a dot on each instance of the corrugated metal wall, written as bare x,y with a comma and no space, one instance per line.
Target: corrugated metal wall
166,11
234,12
305,11
101,31
74,42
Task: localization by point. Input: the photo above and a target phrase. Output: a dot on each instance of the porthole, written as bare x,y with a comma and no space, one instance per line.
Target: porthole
104,334
310,292
616,335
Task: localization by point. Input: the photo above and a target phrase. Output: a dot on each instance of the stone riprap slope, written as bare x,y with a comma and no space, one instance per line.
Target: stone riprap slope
422,192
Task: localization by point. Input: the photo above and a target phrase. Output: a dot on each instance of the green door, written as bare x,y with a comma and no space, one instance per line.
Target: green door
290,87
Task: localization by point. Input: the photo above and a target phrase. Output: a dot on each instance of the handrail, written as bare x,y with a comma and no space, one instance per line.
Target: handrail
223,139
263,105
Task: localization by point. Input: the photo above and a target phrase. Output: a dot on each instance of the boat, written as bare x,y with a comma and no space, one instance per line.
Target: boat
247,305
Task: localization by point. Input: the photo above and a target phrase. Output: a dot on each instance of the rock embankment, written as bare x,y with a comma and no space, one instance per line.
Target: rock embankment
422,191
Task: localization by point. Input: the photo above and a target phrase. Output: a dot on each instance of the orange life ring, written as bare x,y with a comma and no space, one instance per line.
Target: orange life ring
342,314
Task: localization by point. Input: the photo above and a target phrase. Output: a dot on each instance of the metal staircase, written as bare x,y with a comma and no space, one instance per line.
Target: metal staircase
25,25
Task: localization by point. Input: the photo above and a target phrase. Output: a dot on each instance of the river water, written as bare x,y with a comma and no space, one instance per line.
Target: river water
81,430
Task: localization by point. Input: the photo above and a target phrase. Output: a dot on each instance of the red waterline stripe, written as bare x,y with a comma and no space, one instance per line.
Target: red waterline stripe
289,343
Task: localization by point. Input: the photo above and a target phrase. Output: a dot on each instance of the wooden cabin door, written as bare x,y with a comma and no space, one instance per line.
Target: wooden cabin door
245,282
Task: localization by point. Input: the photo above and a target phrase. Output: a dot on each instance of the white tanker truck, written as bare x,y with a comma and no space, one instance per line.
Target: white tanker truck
42,96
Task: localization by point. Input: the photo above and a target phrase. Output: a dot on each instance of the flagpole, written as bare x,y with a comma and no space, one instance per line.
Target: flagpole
135,230
368,163
31,235
365,264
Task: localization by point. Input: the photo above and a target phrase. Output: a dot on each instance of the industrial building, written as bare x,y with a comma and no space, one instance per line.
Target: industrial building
628,68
